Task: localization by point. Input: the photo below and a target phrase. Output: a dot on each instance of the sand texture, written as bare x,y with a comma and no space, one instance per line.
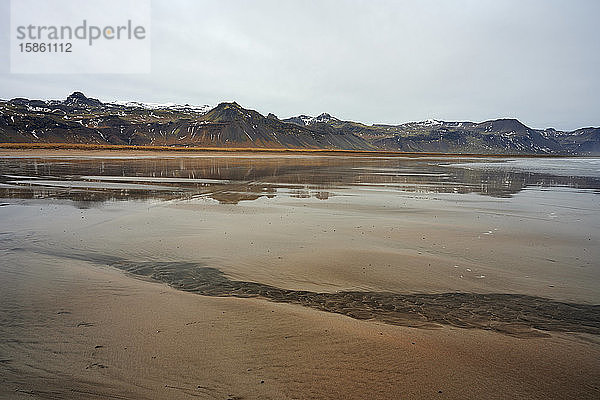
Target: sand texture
96,333
235,275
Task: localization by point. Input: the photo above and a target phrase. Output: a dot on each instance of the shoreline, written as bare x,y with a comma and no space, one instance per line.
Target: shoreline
366,153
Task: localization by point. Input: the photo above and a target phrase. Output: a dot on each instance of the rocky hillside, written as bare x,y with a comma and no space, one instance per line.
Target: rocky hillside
500,136
80,119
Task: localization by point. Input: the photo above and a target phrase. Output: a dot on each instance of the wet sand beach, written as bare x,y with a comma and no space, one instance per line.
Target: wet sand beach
93,332
145,275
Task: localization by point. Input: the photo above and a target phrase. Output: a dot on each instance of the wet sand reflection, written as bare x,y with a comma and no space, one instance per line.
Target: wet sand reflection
230,179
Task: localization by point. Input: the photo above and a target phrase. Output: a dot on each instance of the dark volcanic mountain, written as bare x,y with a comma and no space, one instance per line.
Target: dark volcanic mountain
501,136
80,119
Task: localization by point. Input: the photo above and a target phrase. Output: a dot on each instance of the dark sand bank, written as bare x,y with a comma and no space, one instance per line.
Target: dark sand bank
518,315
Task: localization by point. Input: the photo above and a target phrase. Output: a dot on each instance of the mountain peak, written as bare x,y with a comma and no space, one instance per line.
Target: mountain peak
229,111
506,124
307,120
76,95
79,99
226,104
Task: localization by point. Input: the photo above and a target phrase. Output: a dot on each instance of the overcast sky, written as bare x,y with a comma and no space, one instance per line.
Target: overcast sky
369,61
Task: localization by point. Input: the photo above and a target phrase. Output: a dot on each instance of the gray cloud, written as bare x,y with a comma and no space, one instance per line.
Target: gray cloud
372,61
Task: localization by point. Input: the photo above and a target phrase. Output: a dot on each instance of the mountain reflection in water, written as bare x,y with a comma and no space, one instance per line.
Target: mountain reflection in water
231,179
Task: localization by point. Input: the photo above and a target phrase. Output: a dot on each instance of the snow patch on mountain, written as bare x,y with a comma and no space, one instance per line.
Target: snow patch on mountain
164,106
308,120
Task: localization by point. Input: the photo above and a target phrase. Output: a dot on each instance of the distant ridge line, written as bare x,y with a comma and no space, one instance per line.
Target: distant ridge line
84,120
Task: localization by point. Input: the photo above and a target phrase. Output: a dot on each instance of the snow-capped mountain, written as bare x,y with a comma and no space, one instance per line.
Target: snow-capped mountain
80,119
202,109
307,120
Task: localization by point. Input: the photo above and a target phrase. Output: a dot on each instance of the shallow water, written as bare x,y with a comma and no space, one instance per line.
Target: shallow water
230,179
316,224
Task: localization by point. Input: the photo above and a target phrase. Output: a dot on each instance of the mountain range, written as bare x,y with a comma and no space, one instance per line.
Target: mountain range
80,119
